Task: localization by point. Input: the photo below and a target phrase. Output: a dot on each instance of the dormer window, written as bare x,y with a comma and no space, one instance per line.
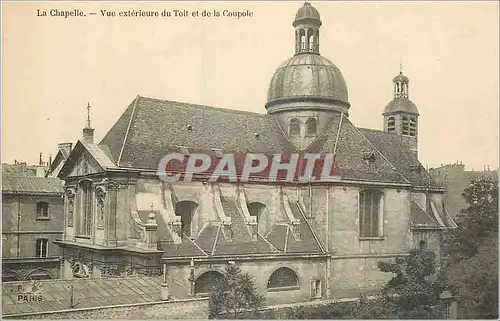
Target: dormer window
294,127
369,158
391,124
311,127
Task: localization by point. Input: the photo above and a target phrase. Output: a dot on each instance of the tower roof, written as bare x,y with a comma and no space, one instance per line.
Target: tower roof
307,13
400,78
401,104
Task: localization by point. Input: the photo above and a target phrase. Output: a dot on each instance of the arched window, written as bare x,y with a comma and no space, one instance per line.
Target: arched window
85,207
370,209
303,41
413,126
405,126
294,127
422,245
282,278
311,127
255,209
311,43
205,282
186,210
42,209
391,124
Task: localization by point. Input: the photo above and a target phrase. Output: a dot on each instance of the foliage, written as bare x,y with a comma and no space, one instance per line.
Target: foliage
473,251
475,283
413,293
477,221
233,294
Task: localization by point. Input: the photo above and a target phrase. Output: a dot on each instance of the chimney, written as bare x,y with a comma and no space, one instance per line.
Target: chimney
50,160
88,135
40,170
65,148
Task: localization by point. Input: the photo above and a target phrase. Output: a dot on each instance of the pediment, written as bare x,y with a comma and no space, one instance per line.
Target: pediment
79,163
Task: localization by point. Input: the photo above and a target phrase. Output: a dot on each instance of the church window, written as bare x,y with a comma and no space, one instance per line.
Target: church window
413,126
294,127
311,127
405,126
311,43
283,278
391,125
255,209
42,247
370,210
205,282
186,210
42,209
86,207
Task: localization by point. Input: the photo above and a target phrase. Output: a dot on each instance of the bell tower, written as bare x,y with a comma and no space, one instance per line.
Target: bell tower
401,114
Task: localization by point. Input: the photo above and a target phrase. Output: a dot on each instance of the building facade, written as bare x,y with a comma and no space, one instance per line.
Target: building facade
301,241
456,179
32,216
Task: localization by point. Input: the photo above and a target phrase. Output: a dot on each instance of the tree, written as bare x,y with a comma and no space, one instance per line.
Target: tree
477,222
234,295
473,251
413,293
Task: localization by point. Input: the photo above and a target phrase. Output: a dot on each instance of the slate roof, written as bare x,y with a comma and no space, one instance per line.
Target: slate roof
398,152
213,242
88,293
420,219
31,185
151,128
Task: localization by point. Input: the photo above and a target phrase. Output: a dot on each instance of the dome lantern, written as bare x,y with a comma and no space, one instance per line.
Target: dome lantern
307,80
307,23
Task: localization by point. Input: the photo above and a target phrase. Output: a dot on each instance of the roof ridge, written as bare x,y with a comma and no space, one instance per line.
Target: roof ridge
205,106
383,156
126,133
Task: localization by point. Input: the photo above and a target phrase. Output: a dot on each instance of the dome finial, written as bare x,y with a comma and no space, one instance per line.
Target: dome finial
400,65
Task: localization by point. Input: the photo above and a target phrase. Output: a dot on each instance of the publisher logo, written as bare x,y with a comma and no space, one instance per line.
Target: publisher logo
30,292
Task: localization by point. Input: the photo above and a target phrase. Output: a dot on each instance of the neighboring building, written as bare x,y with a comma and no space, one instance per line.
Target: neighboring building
299,241
455,179
32,218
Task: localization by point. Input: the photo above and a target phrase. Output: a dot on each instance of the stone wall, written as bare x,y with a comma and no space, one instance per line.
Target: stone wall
182,309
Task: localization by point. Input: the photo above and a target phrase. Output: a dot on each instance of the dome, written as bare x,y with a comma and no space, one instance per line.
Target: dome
309,76
307,12
400,79
401,104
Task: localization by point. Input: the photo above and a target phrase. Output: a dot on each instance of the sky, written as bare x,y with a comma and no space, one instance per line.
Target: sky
53,66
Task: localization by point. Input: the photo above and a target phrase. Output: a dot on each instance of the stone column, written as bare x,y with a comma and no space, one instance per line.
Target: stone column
165,295
110,220
151,228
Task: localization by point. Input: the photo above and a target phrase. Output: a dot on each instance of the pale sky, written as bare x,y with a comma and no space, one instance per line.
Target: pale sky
53,66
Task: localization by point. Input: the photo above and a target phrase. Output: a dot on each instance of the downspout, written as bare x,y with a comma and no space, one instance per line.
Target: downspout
327,280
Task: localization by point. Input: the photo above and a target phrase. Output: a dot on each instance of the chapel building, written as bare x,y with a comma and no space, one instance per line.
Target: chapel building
300,241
